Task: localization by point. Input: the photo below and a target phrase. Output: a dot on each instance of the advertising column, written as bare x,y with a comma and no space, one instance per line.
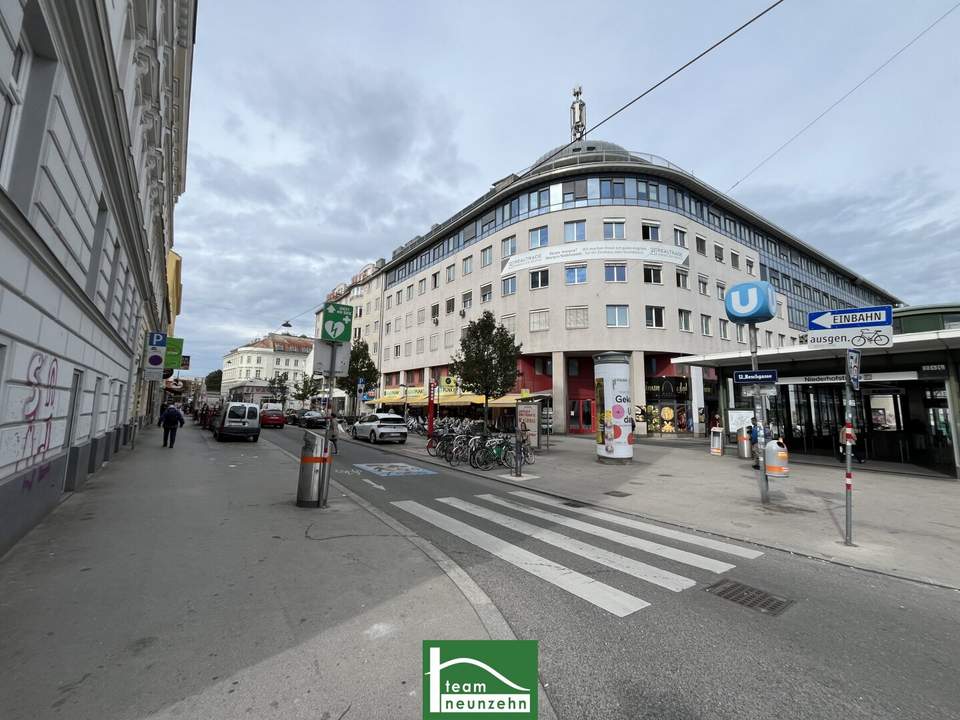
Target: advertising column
611,371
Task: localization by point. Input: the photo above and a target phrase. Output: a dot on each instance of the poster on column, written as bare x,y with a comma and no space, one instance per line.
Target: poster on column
614,434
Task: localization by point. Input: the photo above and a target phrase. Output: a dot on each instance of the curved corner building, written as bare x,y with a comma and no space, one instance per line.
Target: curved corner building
594,249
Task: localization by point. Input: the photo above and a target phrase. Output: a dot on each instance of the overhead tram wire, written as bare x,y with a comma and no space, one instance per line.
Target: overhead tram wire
653,87
845,96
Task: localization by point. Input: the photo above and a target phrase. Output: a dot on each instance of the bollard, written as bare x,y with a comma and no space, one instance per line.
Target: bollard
313,462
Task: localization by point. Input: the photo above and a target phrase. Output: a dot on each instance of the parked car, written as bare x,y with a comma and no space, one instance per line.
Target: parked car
313,419
293,416
237,419
377,427
272,418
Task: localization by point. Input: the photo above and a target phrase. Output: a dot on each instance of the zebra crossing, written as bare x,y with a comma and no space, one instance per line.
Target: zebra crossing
490,508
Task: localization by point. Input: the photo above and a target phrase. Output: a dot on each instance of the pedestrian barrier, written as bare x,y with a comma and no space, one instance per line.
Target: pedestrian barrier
777,459
716,441
314,470
744,445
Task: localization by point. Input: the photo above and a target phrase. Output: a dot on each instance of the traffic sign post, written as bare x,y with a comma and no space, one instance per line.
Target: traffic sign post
851,327
853,368
156,356
336,323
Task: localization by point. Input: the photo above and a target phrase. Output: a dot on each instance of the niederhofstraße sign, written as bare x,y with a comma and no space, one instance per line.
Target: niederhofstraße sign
749,377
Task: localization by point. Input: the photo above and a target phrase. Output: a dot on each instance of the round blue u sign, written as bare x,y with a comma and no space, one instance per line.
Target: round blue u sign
751,302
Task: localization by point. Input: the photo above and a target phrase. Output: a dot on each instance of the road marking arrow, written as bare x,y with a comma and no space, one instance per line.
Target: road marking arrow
371,482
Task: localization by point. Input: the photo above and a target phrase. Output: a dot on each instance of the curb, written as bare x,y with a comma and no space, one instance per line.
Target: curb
592,503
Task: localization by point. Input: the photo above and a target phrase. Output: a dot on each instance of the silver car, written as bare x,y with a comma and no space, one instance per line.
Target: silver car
377,427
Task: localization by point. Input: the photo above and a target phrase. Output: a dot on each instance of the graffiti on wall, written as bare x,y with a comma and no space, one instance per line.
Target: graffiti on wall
38,411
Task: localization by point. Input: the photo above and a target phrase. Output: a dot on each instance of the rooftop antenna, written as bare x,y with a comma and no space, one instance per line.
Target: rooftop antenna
578,115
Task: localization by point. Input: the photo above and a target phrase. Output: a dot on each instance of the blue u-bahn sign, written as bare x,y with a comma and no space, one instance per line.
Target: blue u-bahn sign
751,302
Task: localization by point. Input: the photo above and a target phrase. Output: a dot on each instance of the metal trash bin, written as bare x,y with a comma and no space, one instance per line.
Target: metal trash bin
314,467
777,459
716,441
744,446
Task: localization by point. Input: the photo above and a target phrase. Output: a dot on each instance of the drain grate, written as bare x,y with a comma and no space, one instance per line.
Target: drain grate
751,597
617,493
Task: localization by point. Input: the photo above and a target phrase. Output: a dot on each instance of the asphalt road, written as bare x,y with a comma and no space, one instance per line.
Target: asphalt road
626,629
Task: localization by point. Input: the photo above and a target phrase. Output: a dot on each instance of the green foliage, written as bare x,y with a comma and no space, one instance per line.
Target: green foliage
486,362
278,386
361,366
213,380
307,388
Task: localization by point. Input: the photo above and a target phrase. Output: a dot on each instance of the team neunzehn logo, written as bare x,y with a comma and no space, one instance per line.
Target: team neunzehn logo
480,679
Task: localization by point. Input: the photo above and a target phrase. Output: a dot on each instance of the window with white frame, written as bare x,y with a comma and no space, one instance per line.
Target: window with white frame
683,317
451,272
740,334
748,263
399,297
575,231
451,305
575,274
577,317
701,245
467,265
466,300
615,272
618,316
396,351
781,339
718,252
386,331
539,320
614,230
768,336
434,281
654,316
734,260
680,237
389,301
724,326
703,284
435,311
683,279
508,285
419,346
434,342
508,246
653,275
721,290
706,325
409,319
486,256
509,323
539,237
11,106
650,231
448,337
407,349
539,279
486,293
421,316
409,292
422,286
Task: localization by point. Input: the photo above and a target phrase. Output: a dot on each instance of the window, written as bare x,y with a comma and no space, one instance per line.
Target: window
654,314
575,274
780,310
508,246
781,339
399,297
396,351
248,372
409,319
486,256
466,300
508,286
575,231
434,342
407,349
679,237
734,260
257,373
651,232
706,326
577,317
701,245
718,252
422,286
618,316
286,362
277,362
509,323
486,293
409,292
539,279
434,282
653,274
451,305
259,359
421,316
683,316
749,266
435,310
721,291
703,285
451,272
448,339
468,265
724,328
740,334
386,331
539,320
683,279
613,230
615,272
768,336
419,346
539,237
11,104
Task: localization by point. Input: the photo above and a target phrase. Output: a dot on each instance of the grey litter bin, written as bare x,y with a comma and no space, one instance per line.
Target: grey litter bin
744,446
312,468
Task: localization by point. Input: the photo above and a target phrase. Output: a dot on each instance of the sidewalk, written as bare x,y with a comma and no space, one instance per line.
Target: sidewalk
902,525
186,583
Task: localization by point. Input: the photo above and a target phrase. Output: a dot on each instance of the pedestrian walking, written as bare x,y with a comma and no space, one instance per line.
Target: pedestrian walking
170,420
754,442
857,454
334,432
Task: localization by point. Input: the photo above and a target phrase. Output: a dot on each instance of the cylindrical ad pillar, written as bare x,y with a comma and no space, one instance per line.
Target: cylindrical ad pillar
611,372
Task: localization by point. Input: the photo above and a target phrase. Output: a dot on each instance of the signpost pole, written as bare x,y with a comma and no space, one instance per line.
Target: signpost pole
328,457
758,406
517,445
848,478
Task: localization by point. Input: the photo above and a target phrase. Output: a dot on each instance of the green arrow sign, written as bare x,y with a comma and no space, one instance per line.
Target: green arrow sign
336,323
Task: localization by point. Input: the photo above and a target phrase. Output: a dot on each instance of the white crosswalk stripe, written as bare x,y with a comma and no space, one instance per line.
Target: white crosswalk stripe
604,596
637,569
717,545
682,556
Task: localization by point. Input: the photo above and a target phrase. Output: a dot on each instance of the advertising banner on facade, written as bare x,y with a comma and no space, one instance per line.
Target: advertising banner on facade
601,250
174,352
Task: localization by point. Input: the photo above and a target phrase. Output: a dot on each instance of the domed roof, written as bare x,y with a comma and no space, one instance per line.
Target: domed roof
584,147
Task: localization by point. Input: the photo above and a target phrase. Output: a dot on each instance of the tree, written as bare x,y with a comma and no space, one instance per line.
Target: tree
278,387
486,362
307,388
361,368
213,380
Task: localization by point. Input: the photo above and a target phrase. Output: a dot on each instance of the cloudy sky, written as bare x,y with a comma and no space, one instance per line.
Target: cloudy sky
324,135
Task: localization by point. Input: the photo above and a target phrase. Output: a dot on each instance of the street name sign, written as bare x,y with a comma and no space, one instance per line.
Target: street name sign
851,327
742,377
336,323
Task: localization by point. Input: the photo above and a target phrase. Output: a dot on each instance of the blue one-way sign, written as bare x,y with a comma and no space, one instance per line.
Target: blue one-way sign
744,377
851,318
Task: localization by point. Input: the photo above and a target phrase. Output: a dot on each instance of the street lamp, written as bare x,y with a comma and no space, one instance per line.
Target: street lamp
286,324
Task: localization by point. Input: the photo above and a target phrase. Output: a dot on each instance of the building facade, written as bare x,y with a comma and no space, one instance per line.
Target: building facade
94,102
247,369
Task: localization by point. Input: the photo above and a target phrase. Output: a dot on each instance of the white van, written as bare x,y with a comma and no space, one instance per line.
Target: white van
237,419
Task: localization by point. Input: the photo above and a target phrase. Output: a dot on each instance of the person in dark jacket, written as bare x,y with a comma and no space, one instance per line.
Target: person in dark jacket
170,419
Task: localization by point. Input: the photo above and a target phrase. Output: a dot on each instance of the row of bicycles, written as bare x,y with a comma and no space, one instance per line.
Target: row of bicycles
417,425
483,451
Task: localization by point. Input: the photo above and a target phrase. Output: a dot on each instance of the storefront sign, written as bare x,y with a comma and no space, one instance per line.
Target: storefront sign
842,378
933,371
601,250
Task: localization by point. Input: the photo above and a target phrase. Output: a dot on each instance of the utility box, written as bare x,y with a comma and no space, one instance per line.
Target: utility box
777,459
744,445
716,441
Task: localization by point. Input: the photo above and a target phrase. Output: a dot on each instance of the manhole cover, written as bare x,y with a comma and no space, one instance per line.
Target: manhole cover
617,493
751,597
571,503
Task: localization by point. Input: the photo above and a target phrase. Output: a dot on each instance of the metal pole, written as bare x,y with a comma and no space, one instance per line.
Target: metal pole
517,444
848,478
325,477
758,409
